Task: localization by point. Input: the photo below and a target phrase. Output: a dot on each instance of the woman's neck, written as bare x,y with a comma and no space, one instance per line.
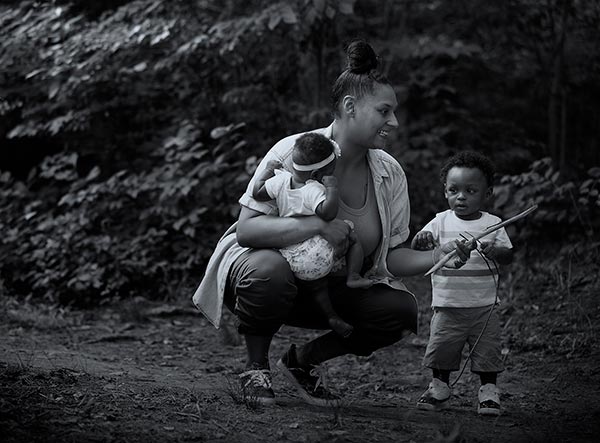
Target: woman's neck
353,155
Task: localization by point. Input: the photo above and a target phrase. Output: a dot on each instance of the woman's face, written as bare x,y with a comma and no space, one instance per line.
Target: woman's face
374,117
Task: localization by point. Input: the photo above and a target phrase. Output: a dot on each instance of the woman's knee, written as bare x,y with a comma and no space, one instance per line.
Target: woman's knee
391,310
264,270
385,317
262,280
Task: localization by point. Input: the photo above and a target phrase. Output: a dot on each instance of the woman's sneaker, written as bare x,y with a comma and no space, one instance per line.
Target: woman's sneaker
436,397
257,387
306,380
489,400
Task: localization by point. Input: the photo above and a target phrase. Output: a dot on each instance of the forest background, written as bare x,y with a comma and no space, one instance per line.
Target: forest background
130,128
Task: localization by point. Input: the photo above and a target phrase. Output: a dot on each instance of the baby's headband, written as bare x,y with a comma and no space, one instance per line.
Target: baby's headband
314,166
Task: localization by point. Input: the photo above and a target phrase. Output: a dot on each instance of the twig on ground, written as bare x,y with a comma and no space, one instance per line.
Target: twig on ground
220,426
187,414
112,338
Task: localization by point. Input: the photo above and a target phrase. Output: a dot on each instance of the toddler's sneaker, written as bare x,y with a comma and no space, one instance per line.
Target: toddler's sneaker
436,397
257,387
489,400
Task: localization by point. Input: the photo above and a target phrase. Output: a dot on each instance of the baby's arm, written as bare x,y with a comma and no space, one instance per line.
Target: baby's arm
259,191
328,208
501,254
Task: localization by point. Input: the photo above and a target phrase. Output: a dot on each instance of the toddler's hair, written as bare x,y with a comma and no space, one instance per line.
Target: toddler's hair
469,159
311,148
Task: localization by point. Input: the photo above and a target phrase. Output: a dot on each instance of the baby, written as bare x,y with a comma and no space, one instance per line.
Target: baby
463,299
309,189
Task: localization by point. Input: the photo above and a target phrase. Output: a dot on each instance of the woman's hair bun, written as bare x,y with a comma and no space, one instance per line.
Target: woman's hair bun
361,57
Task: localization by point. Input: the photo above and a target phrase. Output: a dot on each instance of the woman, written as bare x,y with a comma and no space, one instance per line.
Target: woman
249,275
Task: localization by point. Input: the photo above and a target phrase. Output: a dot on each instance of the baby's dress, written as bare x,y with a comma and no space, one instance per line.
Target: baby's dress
314,257
311,259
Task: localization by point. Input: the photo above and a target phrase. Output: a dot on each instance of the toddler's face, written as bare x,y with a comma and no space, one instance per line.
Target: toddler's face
466,190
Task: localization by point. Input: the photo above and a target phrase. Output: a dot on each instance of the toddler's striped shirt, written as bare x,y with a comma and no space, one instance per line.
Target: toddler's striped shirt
473,284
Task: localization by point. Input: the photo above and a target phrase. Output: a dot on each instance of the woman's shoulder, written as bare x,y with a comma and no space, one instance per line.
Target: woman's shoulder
285,145
386,161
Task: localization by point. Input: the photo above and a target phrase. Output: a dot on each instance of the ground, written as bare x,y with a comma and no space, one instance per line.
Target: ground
143,371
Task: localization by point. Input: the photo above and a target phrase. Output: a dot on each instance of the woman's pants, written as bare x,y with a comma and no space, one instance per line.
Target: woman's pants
264,295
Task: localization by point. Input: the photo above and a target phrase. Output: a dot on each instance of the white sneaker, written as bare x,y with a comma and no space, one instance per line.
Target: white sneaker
489,400
436,397
256,386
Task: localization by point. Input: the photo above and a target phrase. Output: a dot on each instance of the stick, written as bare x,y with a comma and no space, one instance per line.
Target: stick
489,230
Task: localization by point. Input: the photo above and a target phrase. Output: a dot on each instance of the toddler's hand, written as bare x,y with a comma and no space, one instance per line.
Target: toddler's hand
423,241
489,250
329,181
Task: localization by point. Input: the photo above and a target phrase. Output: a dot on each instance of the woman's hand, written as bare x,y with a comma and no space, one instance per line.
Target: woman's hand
337,233
463,252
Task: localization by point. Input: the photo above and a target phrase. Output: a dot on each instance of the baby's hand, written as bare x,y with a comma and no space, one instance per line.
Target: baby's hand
423,241
329,181
274,164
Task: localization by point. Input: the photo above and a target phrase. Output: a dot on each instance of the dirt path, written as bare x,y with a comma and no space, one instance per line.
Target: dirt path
144,372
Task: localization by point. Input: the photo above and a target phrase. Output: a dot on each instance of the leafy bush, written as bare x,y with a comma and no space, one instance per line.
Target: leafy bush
566,208
118,186
131,232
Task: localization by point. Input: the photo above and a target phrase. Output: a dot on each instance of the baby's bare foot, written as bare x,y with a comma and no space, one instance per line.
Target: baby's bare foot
340,327
357,282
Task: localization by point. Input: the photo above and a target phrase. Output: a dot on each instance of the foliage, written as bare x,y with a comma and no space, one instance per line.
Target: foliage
131,232
136,199
130,127
567,208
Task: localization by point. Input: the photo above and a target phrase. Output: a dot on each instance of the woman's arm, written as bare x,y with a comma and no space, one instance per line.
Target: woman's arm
257,230
404,262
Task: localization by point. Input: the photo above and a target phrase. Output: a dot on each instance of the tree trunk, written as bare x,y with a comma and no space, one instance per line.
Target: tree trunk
556,130
553,109
563,132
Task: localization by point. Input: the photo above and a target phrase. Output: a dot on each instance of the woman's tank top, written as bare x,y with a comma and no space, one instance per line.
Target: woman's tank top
367,223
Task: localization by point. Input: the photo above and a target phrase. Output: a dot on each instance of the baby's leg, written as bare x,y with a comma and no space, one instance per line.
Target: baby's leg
354,262
321,295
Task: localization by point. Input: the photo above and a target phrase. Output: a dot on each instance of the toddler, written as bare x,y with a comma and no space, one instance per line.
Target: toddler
463,299
310,188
